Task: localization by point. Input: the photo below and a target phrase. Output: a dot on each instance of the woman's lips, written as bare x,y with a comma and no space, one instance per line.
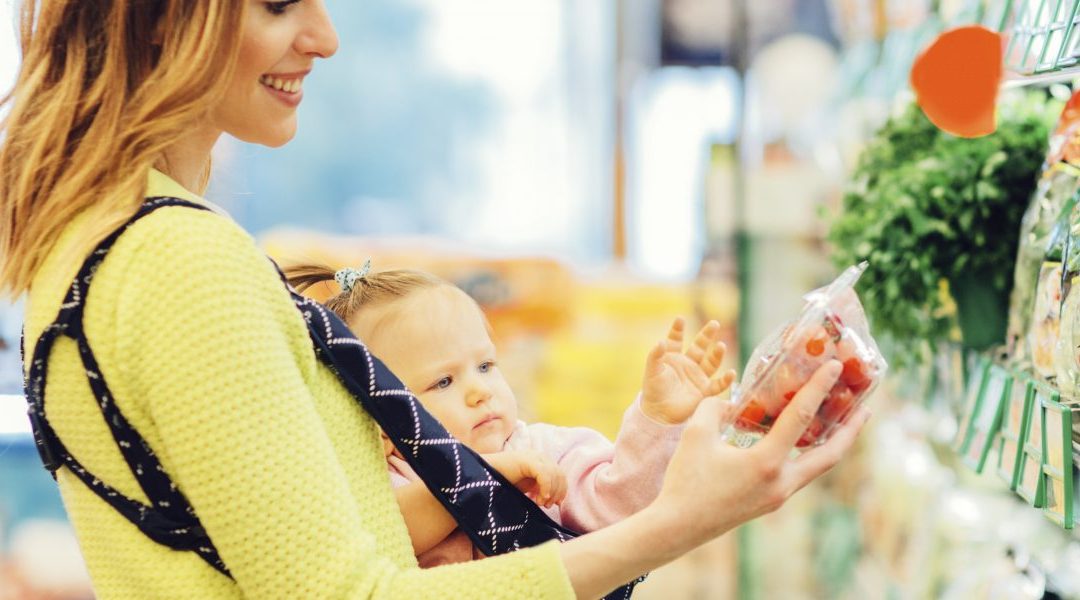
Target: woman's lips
286,87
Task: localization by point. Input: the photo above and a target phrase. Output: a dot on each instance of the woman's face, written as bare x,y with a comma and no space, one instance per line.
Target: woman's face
280,42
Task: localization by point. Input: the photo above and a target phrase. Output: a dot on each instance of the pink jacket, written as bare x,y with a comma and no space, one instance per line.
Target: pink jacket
606,482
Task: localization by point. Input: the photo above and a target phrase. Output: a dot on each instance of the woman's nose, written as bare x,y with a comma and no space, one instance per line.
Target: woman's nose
319,37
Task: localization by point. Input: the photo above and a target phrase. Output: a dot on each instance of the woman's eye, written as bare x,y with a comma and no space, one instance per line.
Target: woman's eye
486,366
278,8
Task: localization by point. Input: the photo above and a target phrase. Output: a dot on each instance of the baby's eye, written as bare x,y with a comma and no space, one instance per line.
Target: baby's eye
442,384
486,366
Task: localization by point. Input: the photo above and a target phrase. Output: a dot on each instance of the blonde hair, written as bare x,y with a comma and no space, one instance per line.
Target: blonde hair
368,291
104,88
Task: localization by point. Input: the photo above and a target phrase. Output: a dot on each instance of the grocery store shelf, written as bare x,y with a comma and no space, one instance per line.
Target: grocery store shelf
1063,76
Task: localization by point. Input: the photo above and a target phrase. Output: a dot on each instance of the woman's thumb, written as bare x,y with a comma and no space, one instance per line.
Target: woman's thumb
713,414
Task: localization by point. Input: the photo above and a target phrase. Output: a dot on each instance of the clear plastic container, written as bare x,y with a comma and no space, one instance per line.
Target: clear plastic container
832,326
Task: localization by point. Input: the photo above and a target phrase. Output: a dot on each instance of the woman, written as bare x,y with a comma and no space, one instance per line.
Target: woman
209,365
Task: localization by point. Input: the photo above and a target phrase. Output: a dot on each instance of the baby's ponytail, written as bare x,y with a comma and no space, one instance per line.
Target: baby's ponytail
360,288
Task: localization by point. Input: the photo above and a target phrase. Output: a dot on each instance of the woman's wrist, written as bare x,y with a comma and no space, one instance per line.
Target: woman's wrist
603,560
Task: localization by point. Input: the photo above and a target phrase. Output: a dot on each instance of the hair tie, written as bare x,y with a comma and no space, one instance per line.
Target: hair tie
348,276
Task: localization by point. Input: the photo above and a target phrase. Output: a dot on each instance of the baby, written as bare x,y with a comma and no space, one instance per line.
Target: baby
435,338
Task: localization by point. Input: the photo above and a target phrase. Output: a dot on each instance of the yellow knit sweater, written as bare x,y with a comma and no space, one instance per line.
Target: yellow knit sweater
210,361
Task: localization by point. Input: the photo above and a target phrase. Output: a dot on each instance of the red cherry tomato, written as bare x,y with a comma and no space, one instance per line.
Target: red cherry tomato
815,347
854,375
837,404
810,436
753,414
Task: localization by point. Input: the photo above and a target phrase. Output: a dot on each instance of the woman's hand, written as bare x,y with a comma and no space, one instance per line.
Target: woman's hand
711,486
539,477
676,380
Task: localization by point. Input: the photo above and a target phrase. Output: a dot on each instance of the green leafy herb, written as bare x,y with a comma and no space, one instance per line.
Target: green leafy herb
925,207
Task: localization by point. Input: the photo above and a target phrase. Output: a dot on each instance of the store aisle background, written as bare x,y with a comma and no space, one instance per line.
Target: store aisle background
584,169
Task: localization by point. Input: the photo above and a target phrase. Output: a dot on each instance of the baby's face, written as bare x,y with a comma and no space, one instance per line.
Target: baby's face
436,341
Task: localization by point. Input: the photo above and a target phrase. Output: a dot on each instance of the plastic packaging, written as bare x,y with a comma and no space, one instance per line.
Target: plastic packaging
1067,352
1045,325
1058,182
832,326
1056,186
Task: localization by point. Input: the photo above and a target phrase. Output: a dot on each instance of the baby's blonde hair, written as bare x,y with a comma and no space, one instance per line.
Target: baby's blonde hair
370,290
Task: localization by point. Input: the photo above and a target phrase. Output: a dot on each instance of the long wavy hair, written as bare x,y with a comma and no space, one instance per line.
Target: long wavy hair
104,87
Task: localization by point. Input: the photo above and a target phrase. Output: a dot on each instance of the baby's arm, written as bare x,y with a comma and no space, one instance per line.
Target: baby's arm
428,521
609,483
606,482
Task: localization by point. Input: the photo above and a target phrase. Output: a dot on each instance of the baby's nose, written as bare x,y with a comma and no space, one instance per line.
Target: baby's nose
479,393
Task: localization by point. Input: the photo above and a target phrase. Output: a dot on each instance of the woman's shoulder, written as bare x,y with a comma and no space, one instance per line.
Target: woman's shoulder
173,233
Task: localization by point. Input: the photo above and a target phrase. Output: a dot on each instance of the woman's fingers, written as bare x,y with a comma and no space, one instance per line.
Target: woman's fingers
794,419
816,461
712,415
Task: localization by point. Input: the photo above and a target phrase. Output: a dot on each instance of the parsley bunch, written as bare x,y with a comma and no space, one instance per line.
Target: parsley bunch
925,207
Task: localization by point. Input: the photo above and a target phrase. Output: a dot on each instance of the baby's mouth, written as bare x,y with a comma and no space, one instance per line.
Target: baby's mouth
487,420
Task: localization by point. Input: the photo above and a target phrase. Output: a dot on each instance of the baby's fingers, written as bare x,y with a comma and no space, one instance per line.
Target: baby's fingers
675,334
654,364
703,341
710,363
561,487
721,384
550,486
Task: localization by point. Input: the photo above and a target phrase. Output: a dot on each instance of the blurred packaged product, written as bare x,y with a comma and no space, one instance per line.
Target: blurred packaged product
1056,186
1067,349
1046,309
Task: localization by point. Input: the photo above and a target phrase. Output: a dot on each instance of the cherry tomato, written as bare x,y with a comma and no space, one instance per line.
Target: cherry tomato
810,436
837,404
753,414
854,375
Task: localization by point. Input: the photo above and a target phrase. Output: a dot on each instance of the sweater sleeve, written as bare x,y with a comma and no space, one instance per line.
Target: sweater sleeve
204,326
608,482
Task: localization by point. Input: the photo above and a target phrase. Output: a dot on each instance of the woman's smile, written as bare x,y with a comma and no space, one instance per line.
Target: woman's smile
286,87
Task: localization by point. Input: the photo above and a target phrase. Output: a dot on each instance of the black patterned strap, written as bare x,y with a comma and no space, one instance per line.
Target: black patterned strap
496,516
169,519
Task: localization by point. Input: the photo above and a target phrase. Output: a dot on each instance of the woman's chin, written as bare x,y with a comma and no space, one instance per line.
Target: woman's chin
271,137
280,139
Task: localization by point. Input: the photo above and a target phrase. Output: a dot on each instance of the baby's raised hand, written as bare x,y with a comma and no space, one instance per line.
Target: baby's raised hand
538,476
676,380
